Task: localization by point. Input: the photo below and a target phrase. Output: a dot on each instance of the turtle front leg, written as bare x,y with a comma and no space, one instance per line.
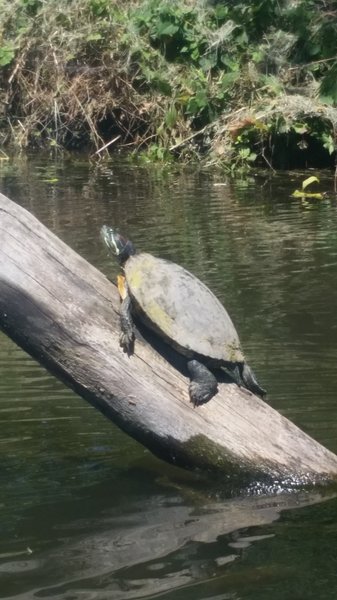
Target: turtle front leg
203,385
127,334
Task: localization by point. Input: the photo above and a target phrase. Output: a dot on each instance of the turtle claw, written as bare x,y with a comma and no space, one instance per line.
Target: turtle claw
127,341
199,393
203,385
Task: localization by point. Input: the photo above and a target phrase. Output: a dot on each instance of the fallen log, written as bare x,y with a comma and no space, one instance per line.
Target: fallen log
65,313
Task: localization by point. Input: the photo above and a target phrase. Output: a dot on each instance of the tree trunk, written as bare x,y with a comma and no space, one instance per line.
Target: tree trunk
64,313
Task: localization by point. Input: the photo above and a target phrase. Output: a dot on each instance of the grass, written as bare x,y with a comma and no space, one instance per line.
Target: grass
194,80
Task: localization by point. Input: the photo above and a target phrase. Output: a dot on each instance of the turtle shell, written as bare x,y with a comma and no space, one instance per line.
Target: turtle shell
178,306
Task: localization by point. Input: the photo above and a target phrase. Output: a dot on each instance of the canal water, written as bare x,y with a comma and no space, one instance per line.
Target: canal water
87,513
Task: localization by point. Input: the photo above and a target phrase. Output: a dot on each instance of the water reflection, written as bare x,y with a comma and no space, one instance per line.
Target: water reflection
85,511
133,536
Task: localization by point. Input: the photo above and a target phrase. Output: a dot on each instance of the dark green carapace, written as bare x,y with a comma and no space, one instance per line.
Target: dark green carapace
181,309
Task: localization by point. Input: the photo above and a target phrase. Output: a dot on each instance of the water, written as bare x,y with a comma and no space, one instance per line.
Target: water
88,513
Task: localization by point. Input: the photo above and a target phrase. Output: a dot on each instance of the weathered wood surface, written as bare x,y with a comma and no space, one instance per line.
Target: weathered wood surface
64,312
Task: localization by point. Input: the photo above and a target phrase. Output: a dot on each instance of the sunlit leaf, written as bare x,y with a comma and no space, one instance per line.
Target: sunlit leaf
300,128
7,54
309,181
166,29
302,194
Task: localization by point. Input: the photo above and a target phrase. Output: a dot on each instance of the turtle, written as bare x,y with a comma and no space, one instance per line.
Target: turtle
184,312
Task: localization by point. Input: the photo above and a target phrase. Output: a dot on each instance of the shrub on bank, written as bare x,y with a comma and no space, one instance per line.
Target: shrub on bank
228,82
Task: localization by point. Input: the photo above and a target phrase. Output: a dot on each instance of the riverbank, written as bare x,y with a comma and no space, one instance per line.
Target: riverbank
229,85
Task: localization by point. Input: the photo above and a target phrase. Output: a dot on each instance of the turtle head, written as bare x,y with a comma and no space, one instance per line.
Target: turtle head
117,244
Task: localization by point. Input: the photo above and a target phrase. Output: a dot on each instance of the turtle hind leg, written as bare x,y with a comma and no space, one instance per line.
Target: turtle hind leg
203,385
250,381
127,334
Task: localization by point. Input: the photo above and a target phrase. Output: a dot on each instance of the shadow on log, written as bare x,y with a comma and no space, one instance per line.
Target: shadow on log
64,312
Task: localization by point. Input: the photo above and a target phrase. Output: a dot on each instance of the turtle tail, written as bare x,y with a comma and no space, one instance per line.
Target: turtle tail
250,382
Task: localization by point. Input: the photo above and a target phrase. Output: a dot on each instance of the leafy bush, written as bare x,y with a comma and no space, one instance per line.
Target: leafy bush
170,75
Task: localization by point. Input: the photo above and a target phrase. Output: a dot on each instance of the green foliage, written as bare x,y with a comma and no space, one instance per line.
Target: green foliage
328,142
7,53
315,24
209,45
244,144
328,87
99,8
187,34
161,71
157,153
174,29
31,6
